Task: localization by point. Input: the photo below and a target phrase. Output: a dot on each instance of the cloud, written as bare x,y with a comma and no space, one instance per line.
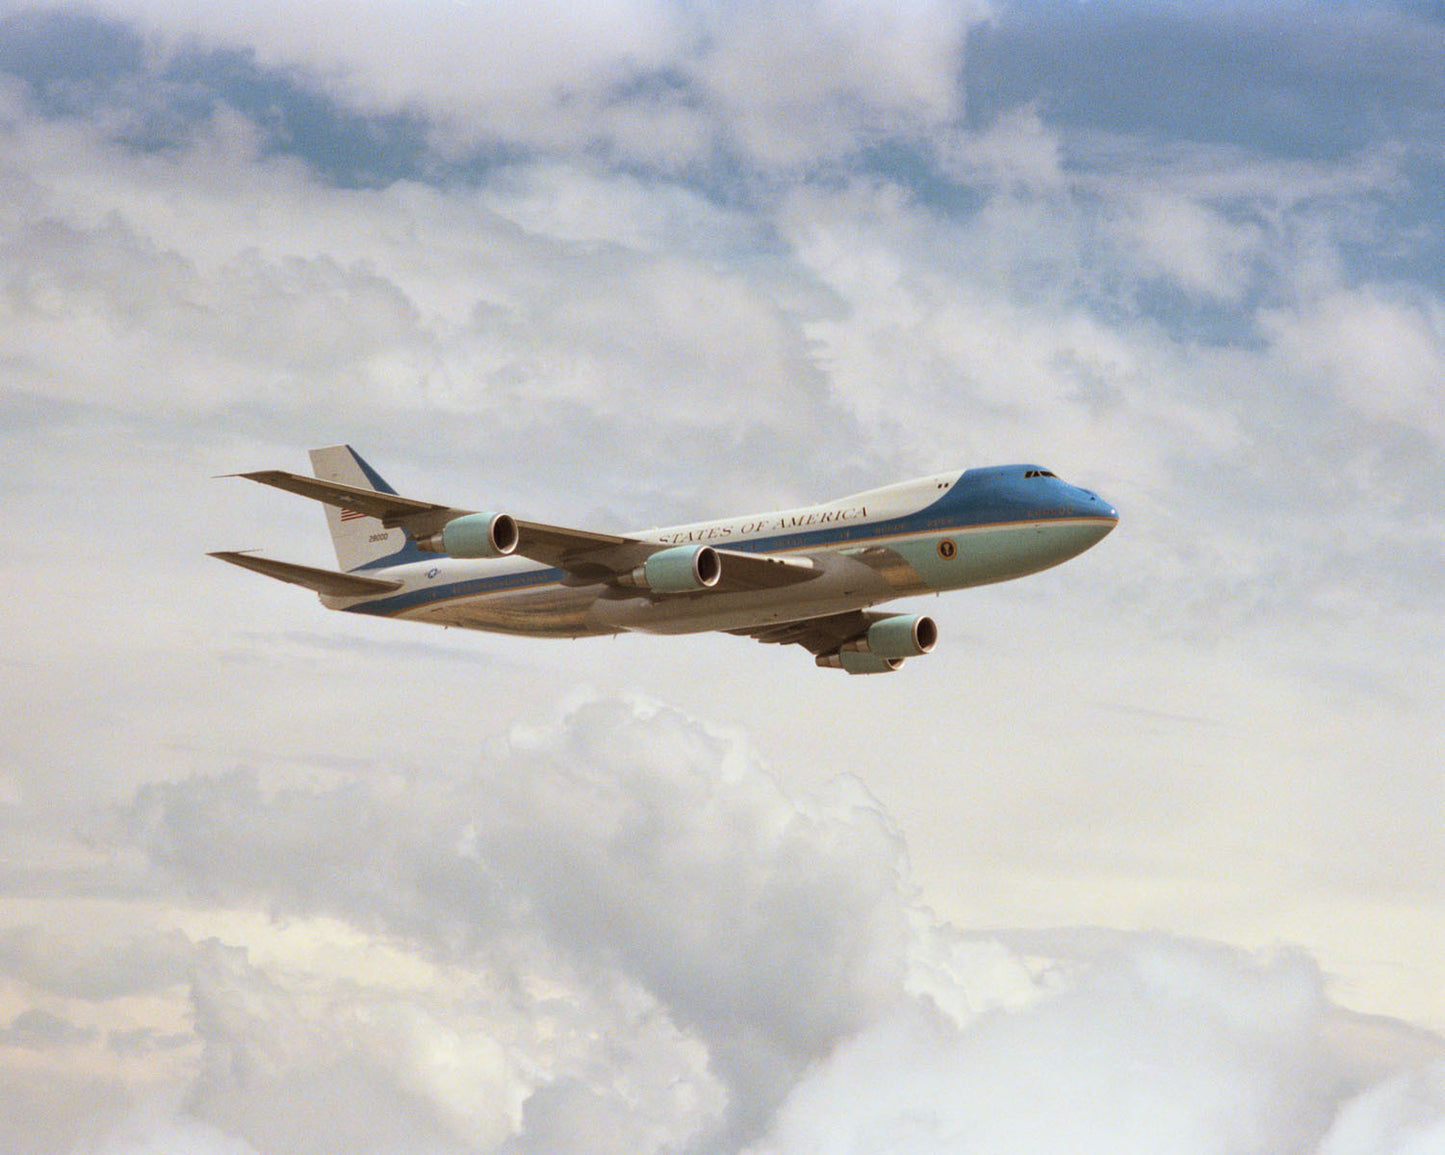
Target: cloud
291,1083
38,1029
639,941
799,85
1383,350
148,1135
1403,1116
1161,1045
715,90
411,308
639,846
1024,273
95,961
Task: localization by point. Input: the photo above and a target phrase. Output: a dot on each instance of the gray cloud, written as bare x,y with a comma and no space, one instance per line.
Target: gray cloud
145,1041
634,841
38,1029
93,961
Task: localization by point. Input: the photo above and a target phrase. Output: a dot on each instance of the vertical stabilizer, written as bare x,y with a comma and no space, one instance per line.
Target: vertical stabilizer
360,541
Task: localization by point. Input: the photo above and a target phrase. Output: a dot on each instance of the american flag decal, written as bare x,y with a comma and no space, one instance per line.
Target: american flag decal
351,514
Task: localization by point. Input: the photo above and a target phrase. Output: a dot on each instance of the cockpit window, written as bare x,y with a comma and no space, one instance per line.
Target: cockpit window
1038,473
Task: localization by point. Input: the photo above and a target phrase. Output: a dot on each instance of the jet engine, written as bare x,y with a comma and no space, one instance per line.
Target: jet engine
679,570
899,636
883,647
474,535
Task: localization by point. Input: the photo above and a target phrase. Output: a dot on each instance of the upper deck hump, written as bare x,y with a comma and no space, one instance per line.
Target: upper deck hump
881,504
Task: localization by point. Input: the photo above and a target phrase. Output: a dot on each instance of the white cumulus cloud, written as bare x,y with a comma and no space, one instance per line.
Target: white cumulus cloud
636,940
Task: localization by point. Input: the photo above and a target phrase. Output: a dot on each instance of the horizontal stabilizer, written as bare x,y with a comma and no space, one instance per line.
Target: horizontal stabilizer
323,581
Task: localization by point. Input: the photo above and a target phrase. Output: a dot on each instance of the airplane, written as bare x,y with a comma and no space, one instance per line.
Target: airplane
805,576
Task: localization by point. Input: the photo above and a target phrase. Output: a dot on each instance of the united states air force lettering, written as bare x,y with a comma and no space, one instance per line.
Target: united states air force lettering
741,529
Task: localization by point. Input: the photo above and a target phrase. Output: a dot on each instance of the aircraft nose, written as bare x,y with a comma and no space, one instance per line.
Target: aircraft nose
1090,504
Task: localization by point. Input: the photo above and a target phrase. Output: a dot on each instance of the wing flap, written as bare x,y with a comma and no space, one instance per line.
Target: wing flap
323,581
761,571
822,635
581,551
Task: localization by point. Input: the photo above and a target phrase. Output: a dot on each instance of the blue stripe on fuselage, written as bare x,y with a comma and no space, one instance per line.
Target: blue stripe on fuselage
467,588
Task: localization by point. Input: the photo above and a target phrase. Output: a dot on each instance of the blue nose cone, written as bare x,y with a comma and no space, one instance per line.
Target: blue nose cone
1087,503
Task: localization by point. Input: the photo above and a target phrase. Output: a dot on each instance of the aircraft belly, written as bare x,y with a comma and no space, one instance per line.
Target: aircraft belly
845,584
552,611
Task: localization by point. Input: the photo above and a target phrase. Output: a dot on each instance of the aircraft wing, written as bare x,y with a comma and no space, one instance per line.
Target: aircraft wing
585,555
601,557
816,635
323,581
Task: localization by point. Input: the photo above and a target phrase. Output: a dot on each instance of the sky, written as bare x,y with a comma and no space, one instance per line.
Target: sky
1146,856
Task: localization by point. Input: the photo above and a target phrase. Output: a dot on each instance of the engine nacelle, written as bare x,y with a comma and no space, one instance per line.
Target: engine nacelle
679,570
474,535
857,662
901,636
